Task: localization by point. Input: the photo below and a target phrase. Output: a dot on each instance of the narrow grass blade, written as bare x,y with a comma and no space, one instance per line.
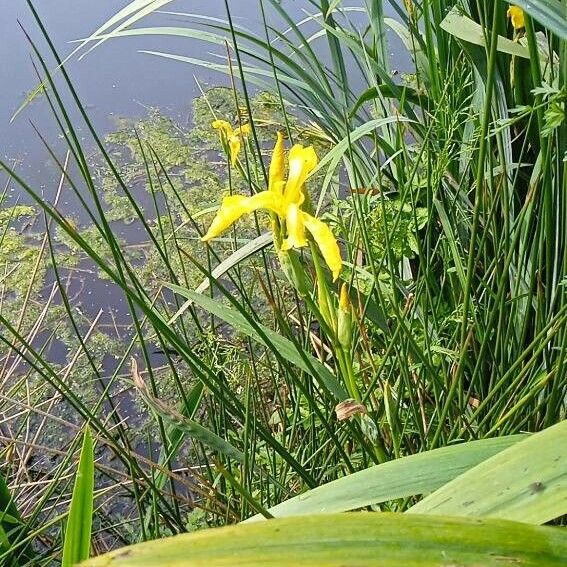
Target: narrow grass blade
77,545
12,528
179,421
283,346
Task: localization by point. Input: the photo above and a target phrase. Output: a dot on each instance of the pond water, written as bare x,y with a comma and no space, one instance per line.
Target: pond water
115,79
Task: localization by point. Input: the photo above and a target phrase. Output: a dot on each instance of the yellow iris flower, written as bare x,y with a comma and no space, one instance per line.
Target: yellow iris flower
516,15
284,198
230,137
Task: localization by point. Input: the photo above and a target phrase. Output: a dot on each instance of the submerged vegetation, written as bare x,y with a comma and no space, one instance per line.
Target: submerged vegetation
342,288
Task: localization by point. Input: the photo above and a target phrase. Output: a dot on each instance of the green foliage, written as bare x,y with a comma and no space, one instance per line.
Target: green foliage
448,192
77,544
388,540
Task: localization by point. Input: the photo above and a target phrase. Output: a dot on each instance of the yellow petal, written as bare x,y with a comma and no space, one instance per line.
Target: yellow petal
327,243
295,228
231,209
234,206
244,130
277,166
517,16
302,161
224,127
234,148
344,299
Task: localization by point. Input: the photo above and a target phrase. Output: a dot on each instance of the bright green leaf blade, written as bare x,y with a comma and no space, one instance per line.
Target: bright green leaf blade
468,30
409,476
353,539
549,13
284,347
77,545
526,483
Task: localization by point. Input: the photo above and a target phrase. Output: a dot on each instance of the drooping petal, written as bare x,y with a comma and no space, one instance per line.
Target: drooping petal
234,145
234,206
277,166
327,243
516,15
295,228
302,161
231,209
244,130
224,127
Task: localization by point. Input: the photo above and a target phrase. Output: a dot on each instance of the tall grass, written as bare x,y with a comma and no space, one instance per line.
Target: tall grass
447,187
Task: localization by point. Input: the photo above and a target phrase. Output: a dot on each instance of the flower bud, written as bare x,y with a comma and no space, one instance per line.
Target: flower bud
293,270
344,318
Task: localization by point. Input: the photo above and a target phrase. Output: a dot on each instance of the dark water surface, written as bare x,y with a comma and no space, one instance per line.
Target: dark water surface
114,80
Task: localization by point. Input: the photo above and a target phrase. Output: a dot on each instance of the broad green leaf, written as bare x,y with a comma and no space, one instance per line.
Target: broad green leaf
525,483
77,543
408,476
285,348
353,539
464,28
549,13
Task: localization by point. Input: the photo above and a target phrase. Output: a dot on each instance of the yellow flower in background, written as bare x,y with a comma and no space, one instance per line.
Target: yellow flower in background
233,138
284,198
516,15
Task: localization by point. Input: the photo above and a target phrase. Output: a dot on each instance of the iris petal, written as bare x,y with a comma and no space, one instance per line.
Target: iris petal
302,161
516,15
234,148
234,206
224,127
277,166
243,130
295,228
327,243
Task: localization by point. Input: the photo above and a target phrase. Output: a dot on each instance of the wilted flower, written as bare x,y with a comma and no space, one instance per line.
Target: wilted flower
516,16
231,137
347,408
284,198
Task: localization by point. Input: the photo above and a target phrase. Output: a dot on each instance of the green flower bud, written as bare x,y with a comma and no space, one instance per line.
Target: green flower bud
344,319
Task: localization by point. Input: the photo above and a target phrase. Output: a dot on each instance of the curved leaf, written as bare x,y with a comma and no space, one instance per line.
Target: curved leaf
468,30
549,13
77,543
388,540
526,483
409,476
285,348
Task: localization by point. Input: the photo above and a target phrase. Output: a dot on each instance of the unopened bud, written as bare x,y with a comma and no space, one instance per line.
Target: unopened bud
344,318
293,270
